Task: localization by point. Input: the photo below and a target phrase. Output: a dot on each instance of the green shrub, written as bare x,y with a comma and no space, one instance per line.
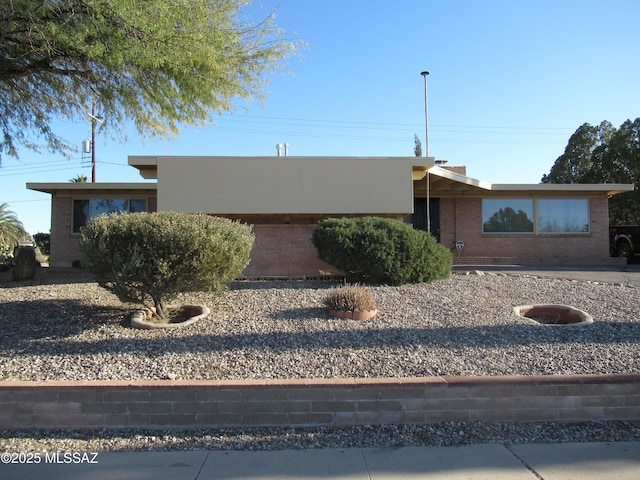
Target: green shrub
144,257
350,298
381,250
43,242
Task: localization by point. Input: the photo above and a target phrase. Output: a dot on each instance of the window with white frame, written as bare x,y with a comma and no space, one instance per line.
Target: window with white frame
86,209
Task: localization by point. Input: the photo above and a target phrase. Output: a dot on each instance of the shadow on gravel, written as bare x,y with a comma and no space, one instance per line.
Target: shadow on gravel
49,276
278,284
601,333
51,319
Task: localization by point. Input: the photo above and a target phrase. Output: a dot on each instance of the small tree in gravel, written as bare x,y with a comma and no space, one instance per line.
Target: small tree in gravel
144,257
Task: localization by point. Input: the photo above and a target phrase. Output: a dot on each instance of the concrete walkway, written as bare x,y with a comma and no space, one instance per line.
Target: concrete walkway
624,274
593,461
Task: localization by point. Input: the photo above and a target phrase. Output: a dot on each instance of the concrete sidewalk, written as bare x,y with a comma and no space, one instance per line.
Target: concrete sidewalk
595,461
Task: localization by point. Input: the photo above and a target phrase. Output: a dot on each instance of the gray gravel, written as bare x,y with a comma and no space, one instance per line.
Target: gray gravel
63,326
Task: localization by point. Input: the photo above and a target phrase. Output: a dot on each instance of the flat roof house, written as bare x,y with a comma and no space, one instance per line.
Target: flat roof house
285,198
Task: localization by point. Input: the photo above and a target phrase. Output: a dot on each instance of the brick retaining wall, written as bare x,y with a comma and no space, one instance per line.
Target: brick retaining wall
318,402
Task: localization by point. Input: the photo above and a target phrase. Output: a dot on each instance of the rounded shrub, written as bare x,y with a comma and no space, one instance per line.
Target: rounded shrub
151,257
381,250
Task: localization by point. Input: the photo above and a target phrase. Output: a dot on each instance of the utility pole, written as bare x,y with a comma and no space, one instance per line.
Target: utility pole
93,142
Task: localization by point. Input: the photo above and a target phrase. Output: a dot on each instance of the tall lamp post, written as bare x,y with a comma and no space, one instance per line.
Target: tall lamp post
426,115
426,144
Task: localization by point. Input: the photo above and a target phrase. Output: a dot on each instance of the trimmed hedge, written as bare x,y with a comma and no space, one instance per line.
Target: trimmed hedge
381,250
144,257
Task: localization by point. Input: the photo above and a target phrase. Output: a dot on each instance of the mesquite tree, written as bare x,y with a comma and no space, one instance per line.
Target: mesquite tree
156,64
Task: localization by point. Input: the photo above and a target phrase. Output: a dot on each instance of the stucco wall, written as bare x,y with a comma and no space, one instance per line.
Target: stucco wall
286,185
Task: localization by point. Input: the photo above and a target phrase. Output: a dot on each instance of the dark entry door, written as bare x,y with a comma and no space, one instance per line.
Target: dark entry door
419,217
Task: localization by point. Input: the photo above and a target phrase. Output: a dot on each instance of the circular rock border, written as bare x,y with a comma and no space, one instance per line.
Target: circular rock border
571,315
139,318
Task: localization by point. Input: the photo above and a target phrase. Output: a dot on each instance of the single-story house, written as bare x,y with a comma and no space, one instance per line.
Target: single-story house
285,197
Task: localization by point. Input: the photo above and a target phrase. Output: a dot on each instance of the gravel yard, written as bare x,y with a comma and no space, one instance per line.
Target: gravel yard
63,326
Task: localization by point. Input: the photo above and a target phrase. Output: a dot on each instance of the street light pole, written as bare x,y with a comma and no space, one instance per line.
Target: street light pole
426,144
426,115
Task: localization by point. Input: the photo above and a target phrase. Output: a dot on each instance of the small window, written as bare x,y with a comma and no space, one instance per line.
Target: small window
502,215
85,210
563,215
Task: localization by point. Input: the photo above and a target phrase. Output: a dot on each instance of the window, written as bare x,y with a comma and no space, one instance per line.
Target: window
552,215
85,210
563,215
502,215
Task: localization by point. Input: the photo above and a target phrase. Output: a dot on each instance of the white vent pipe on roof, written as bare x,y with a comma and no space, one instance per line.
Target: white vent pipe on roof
280,146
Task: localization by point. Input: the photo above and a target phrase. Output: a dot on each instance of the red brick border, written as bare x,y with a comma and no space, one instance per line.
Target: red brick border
316,402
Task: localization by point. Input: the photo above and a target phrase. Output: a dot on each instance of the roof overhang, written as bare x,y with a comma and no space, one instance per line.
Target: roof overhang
446,183
92,188
148,165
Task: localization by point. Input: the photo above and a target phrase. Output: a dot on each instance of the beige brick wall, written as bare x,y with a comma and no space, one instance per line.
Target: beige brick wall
461,219
316,402
283,244
285,250
64,243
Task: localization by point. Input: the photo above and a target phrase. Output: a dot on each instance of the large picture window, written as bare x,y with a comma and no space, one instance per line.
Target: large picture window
540,216
563,215
507,215
86,209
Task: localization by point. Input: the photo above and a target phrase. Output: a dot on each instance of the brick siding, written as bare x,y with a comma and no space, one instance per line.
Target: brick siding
285,251
317,402
461,219
65,248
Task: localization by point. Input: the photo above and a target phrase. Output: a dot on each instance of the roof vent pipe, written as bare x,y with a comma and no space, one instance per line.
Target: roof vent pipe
286,149
279,148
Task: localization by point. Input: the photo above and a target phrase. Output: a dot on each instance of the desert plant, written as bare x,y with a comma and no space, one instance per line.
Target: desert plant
151,257
381,250
11,229
350,298
25,264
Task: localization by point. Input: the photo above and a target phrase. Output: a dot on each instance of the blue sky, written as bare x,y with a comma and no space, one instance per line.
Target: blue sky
510,81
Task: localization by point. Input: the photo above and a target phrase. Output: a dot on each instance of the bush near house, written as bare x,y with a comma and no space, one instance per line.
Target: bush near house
144,257
380,250
43,242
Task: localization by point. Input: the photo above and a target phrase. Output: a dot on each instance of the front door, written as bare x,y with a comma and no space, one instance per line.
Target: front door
419,217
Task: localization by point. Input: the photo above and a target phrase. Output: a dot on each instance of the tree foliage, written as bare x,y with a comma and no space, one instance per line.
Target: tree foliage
151,257
157,63
508,220
11,229
417,145
604,154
